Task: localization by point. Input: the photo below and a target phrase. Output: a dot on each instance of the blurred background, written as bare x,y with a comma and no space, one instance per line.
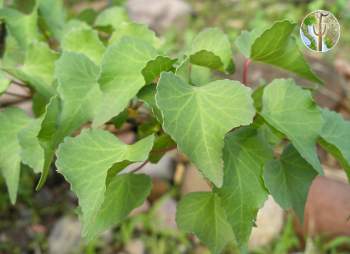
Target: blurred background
46,222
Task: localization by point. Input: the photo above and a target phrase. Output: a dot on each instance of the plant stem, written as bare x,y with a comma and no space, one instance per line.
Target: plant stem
18,83
23,96
14,102
154,152
245,71
140,167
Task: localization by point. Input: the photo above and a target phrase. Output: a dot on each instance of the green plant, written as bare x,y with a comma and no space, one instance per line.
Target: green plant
84,79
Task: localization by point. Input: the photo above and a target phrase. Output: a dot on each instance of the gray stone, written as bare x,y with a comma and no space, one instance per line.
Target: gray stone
135,247
335,174
269,224
159,14
165,214
327,209
107,236
65,236
193,181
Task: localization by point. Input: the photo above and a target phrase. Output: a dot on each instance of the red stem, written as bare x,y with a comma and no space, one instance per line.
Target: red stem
155,152
245,71
139,167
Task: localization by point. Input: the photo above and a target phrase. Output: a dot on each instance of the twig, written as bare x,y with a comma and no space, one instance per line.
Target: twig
18,83
140,167
245,71
23,96
14,102
153,152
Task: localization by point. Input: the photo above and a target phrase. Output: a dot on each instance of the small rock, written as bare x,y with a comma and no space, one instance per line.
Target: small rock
65,236
135,247
159,14
160,187
193,181
201,250
166,214
163,169
269,224
107,236
335,174
327,209
127,137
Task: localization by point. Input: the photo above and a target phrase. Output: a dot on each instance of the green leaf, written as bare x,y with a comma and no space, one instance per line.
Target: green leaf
48,138
32,154
78,89
195,113
112,17
246,39
162,144
53,15
121,76
335,138
38,68
123,193
243,191
289,180
39,103
37,139
85,41
85,160
156,66
104,94
211,48
276,46
13,54
4,82
134,30
12,120
23,27
272,136
194,74
202,213
88,15
120,119
257,97
147,94
74,24
292,111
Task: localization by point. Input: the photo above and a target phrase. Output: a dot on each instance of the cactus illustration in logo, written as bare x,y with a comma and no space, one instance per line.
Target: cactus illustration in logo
320,31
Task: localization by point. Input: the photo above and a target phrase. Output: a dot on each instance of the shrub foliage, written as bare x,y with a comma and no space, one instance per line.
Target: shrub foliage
86,75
